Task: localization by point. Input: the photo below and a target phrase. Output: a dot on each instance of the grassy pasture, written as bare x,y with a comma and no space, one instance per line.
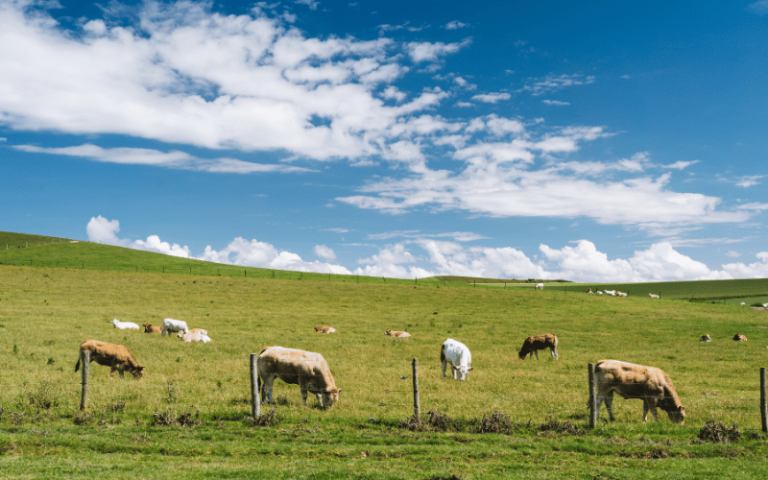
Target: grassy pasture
46,312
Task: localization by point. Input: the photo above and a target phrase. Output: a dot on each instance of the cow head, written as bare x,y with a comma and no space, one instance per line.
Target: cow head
330,397
522,353
677,414
388,332
462,371
146,328
138,372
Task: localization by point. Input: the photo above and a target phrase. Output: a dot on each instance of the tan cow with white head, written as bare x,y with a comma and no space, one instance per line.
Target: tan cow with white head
649,384
397,333
308,370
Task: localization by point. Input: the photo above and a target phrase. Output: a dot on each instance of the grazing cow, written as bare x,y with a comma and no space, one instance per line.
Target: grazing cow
110,355
195,335
743,304
539,286
740,338
705,338
652,295
610,292
589,290
459,357
397,333
324,329
308,370
148,328
765,305
599,292
171,325
649,384
124,325
535,343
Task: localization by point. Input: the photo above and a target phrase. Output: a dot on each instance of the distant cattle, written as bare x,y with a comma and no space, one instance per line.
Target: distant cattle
649,384
610,292
652,295
599,292
458,355
705,338
743,304
148,328
589,290
740,338
324,329
170,325
308,370
621,294
117,357
124,325
195,335
539,286
533,344
397,333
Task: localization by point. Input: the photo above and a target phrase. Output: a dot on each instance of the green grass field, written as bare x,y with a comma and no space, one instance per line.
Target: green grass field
45,312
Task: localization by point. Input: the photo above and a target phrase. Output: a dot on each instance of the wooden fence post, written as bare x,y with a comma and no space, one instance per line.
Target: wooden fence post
763,409
592,397
255,394
85,359
416,403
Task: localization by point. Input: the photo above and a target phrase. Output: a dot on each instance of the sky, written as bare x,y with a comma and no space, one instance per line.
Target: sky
589,141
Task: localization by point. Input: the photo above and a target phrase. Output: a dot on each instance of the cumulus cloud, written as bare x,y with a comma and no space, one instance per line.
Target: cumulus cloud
431,52
491,97
102,230
174,159
749,180
553,83
324,252
759,8
555,103
753,270
680,165
455,25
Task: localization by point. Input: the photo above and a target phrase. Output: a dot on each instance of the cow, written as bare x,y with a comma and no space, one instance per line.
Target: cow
649,384
589,290
610,292
308,370
740,338
621,294
397,333
705,338
124,325
652,295
539,286
117,357
171,325
324,329
743,304
458,355
195,335
535,343
599,292
148,328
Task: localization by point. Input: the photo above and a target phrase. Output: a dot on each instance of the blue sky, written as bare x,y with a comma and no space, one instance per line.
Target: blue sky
594,141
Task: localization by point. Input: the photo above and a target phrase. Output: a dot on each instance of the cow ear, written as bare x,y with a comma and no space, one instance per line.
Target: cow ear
470,368
681,408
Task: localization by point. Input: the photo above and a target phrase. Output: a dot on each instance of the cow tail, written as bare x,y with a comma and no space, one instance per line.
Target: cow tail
77,365
442,353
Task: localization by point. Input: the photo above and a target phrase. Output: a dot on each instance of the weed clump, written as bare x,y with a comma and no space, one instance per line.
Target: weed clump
84,418
497,422
45,397
169,418
719,433
552,425
269,419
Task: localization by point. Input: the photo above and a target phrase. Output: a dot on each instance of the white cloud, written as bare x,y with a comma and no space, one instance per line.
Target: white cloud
455,25
753,206
337,230
388,263
680,165
431,52
458,236
753,270
3,139
554,83
759,8
491,97
174,159
732,254
324,252
102,230
749,181
312,4
556,103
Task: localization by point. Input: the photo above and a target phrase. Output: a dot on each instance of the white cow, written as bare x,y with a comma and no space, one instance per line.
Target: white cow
171,325
124,325
610,292
599,292
652,295
539,286
458,355
620,294
195,335
742,304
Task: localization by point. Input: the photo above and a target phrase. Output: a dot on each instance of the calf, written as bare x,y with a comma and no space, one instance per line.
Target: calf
308,370
171,325
533,344
459,357
740,338
705,338
124,325
397,333
653,295
649,384
152,328
324,329
110,355
195,335
589,290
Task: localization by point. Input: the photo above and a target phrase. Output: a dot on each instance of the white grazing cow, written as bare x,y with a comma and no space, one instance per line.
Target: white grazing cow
458,355
653,295
308,370
124,325
195,335
765,305
649,384
742,304
539,286
170,325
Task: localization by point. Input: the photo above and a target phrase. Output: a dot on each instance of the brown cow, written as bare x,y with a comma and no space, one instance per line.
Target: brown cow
649,384
148,328
308,370
539,342
324,329
740,338
110,355
397,333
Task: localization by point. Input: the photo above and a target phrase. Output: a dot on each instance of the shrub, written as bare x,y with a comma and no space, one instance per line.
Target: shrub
719,433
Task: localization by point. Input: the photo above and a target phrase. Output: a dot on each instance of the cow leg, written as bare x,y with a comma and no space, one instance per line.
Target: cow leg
443,365
112,372
609,405
268,383
537,354
650,405
163,332
304,393
320,399
553,352
645,410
